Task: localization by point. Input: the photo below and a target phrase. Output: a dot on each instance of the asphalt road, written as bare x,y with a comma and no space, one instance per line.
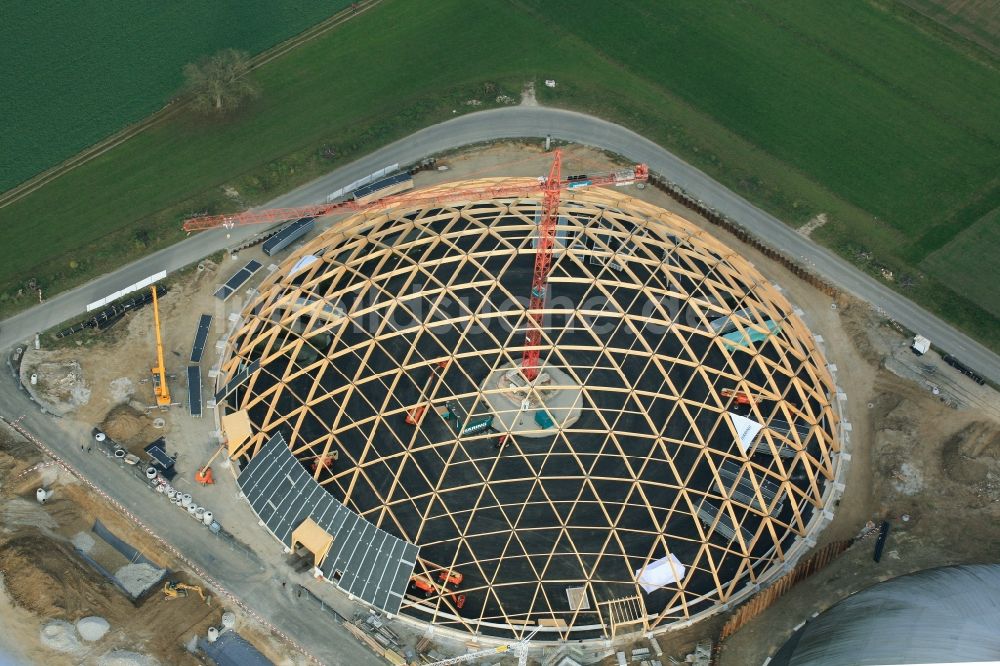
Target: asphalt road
531,121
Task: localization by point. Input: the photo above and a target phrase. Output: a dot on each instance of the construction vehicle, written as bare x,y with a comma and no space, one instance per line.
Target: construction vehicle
204,474
325,461
451,578
174,590
519,648
742,397
476,427
430,589
415,414
160,389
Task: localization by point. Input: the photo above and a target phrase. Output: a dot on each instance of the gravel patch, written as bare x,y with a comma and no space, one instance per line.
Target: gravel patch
60,636
122,389
908,480
126,658
83,542
92,628
137,578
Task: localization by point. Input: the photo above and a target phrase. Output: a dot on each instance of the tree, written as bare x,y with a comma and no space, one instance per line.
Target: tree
220,83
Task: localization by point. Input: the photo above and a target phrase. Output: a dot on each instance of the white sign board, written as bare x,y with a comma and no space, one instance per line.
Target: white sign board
371,178
746,430
111,298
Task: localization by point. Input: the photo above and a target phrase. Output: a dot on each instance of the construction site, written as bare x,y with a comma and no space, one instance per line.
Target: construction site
512,405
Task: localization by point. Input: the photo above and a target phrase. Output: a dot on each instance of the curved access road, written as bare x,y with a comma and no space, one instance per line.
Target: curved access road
523,122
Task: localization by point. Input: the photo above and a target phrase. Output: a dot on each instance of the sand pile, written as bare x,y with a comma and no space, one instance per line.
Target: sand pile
137,578
60,636
126,658
124,422
92,628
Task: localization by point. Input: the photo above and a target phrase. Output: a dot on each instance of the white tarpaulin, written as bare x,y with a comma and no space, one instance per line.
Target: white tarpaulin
304,262
663,571
746,430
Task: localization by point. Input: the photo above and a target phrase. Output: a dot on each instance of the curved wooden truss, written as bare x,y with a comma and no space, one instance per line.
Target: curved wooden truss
663,331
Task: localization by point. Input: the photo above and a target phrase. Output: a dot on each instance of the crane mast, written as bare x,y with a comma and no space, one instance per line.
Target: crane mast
543,262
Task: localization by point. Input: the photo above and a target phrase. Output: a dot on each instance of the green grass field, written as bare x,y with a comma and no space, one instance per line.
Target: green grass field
801,107
969,263
75,72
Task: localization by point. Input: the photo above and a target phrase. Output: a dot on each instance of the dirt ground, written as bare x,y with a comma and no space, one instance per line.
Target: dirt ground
912,453
44,578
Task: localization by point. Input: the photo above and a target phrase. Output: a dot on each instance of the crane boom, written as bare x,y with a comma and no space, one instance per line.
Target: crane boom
639,172
519,647
161,391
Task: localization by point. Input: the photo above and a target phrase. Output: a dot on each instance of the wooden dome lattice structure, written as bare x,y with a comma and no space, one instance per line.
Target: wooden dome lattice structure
667,344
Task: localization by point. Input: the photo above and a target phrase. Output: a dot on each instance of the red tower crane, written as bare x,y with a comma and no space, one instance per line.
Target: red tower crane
543,262
550,187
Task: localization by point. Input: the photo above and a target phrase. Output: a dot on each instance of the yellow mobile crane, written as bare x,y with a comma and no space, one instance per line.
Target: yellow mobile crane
160,389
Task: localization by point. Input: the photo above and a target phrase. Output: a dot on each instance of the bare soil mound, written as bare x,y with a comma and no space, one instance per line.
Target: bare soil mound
972,456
